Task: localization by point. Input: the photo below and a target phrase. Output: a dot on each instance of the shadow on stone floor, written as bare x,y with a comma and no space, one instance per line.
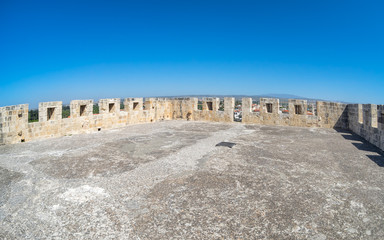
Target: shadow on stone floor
378,159
374,153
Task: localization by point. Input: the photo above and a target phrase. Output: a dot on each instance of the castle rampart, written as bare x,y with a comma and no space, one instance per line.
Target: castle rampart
366,120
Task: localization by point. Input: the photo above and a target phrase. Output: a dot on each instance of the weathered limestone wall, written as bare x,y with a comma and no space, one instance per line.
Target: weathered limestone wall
270,113
161,108
14,126
134,109
298,114
50,111
184,108
81,108
229,107
82,119
332,115
210,110
365,120
13,123
328,115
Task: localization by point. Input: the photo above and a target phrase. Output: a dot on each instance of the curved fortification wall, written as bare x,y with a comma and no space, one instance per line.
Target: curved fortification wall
366,120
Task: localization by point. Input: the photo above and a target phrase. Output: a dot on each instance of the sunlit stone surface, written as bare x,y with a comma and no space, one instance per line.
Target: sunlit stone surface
168,180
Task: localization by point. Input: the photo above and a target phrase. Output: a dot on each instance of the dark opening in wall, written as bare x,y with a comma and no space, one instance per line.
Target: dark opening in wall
310,109
33,115
22,140
269,107
111,107
298,109
95,109
66,111
135,106
82,110
50,112
284,107
221,105
199,105
210,106
237,112
255,106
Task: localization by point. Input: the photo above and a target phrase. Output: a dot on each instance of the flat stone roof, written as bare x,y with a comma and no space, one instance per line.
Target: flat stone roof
169,180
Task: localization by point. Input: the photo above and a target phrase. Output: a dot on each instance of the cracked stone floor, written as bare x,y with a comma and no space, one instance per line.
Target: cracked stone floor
168,180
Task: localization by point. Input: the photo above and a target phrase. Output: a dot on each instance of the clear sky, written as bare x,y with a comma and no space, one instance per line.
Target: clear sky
64,50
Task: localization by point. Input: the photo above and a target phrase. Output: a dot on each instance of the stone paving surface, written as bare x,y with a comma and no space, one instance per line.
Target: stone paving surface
168,180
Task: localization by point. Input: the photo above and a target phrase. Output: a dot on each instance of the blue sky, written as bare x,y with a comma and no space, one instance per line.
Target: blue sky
64,50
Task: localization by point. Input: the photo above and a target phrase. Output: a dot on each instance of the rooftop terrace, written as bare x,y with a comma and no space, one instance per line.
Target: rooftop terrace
167,180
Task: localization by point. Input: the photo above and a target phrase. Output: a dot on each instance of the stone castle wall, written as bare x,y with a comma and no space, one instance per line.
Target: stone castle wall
328,114
366,120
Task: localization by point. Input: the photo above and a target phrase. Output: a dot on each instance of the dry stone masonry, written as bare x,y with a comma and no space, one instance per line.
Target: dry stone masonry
366,120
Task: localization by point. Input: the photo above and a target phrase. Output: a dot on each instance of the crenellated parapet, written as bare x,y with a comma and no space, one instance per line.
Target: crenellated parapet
366,120
111,105
81,108
211,110
272,112
332,115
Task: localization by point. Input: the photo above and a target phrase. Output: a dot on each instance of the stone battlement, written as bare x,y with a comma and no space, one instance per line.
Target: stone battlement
365,120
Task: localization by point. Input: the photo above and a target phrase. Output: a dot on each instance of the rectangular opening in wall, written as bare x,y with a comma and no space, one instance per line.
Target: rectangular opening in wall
283,107
66,111
255,106
210,106
135,106
95,109
82,110
111,107
221,105
298,109
33,115
199,105
237,113
310,110
269,107
50,112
